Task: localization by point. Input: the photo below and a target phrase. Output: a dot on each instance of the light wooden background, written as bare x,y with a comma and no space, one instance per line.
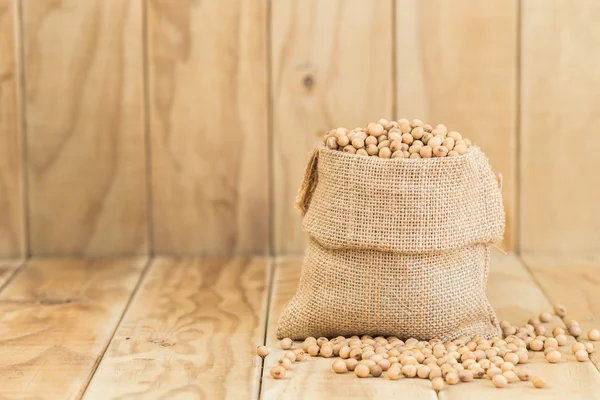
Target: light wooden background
183,126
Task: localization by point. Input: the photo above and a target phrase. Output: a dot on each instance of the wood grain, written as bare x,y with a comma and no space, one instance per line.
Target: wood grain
516,297
575,285
331,66
85,127
56,318
559,193
208,112
312,378
191,332
12,236
456,64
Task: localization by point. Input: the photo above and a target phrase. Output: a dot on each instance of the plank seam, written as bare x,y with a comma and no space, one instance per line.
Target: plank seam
539,285
517,227
17,271
98,360
270,135
147,133
394,61
272,266
21,103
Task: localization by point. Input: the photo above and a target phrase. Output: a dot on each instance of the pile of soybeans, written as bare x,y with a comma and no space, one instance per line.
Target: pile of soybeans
398,139
461,360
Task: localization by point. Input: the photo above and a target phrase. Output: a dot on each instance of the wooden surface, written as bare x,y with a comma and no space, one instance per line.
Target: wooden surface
516,297
457,65
574,284
12,232
208,113
56,319
189,327
191,333
85,127
331,65
558,192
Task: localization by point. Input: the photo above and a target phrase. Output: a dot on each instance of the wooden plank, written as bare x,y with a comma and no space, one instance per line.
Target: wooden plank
85,127
558,195
208,113
331,66
7,269
516,297
312,378
56,318
456,64
190,332
574,284
12,236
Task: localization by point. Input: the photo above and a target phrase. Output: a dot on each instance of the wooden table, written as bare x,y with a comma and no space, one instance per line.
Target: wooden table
187,328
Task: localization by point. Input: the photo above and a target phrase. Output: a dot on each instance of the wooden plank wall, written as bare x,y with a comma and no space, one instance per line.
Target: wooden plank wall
85,127
208,113
183,127
12,221
560,184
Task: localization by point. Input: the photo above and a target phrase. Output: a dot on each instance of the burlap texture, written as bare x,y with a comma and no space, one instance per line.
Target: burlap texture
396,247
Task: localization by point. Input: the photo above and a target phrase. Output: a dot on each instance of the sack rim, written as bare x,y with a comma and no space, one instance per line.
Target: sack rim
470,153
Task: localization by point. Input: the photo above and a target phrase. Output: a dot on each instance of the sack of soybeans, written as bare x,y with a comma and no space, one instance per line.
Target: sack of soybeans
400,218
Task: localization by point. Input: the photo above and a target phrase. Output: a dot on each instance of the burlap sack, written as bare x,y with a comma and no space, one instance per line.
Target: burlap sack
396,247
